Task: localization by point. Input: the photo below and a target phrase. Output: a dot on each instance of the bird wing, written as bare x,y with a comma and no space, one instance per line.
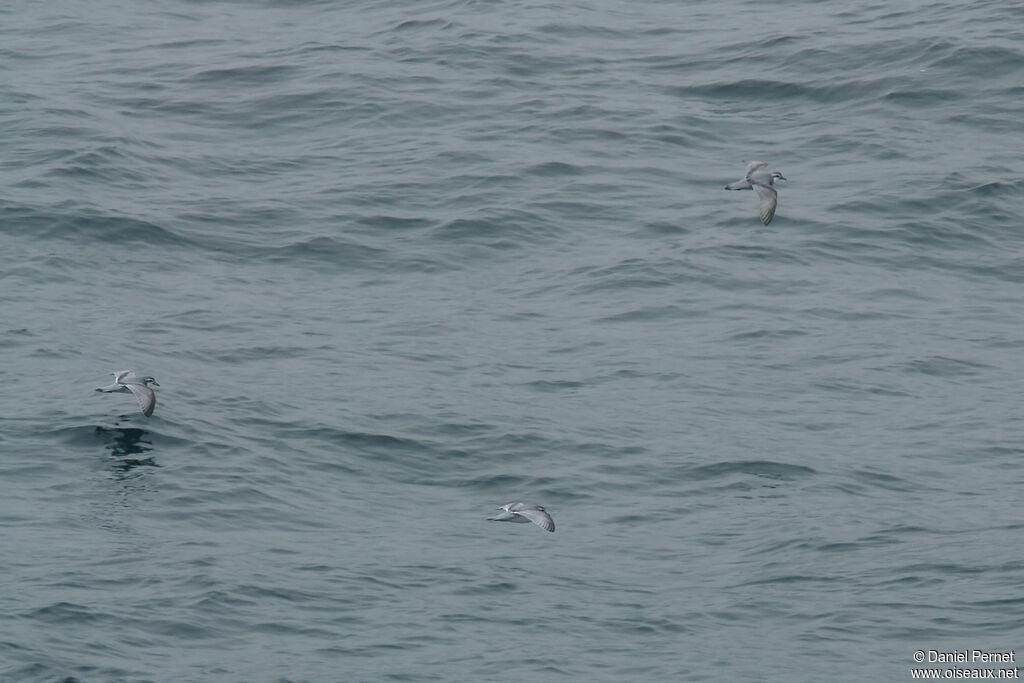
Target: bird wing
503,516
129,377
769,201
539,517
145,396
754,165
741,184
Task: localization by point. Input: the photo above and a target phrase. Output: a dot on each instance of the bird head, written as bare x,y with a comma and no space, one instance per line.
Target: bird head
777,176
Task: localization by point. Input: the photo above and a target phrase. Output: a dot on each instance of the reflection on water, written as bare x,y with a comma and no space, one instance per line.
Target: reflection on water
128,445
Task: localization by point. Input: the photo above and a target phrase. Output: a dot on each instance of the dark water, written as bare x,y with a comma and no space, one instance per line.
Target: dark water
395,264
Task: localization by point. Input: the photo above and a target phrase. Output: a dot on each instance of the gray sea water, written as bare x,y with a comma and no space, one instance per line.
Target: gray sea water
395,264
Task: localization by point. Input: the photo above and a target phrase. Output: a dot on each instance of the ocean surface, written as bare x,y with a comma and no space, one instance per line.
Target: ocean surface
395,264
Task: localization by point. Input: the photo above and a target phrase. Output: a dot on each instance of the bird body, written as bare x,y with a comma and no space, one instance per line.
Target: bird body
760,179
521,512
128,381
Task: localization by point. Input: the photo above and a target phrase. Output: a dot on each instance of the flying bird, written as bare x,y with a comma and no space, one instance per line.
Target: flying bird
127,380
760,179
521,512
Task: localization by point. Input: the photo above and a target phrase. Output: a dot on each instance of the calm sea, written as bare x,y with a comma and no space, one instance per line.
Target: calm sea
395,264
